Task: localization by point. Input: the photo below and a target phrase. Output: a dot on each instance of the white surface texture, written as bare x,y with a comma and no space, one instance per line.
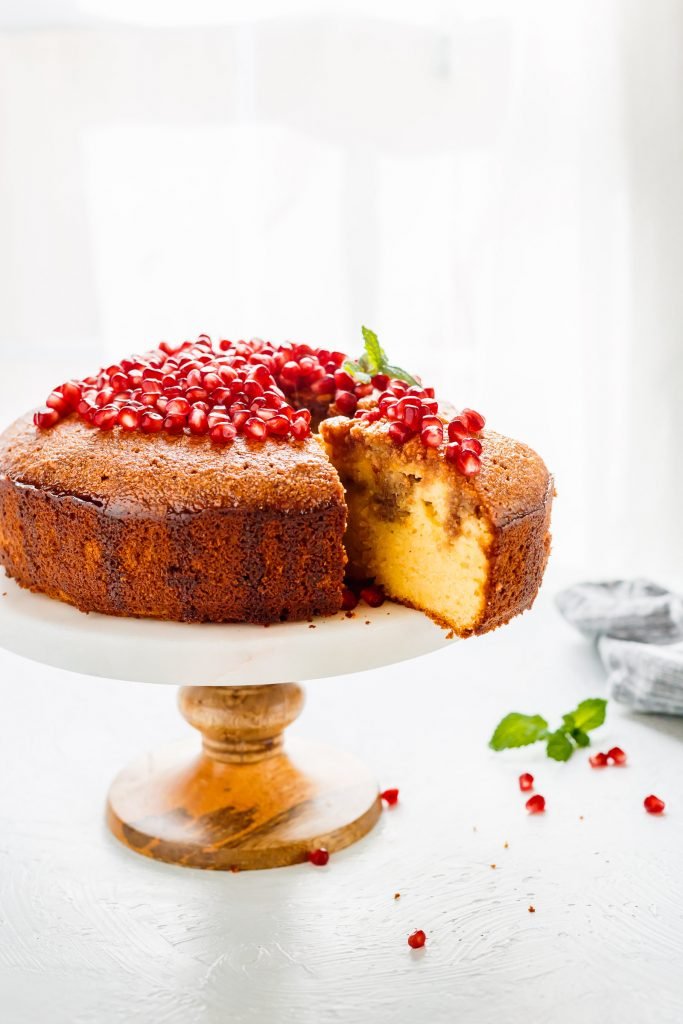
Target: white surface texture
92,934
151,651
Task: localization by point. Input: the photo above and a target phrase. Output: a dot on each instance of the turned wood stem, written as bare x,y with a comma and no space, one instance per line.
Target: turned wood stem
241,724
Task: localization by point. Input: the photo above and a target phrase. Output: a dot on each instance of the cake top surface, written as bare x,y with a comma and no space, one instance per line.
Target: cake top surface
157,474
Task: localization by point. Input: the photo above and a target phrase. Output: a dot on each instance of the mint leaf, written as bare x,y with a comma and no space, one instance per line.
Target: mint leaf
589,714
516,730
357,371
559,747
397,373
581,738
375,356
568,722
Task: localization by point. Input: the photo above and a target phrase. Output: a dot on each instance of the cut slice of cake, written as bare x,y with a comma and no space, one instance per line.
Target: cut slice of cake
468,550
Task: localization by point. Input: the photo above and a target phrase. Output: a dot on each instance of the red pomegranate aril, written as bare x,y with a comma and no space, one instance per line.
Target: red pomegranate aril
261,375
452,451
398,387
432,435
349,599
240,417
412,417
178,407
194,377
119,382
380,381
363,390
211,381
223,433
598,760
474,421
458,430
467,462
324,386
175,424
290,371
106,418
150,400
429,406
104,397
151,386
307,365
653,805
151,422
46,418
390,796
417,939
278,426
299,429
535,804
72,393
373,595
198,421
617,755
57,401
255,428
252,389
526,782
343,380
196,395
219,415
319,857
400,432
471,444
346,403
227,374
129,419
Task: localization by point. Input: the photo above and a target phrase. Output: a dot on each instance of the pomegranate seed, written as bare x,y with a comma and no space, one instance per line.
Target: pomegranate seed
343,380
129,419
119,382
178,407
653,805
471,444
467,462
526,782
57,401
255,428
151,422
324,386
400,432
474,421
175,424
299,429
380,381
535,804
617,755
346,403
458,430
373,594
223,433
198,421
390,796
452,451
278,426
417,939
598,761
106,418
290,371
349,599
46,418
240,417
72,393
432,435
319,857
196,394
151,386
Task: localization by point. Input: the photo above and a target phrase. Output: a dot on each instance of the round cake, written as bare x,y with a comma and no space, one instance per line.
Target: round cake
189,484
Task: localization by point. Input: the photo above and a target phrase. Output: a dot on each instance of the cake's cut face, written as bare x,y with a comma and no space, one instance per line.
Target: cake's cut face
186,484
464,550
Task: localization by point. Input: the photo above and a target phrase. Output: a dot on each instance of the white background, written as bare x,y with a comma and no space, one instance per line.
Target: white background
497,189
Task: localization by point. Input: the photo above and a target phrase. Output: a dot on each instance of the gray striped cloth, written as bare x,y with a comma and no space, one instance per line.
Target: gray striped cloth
638,626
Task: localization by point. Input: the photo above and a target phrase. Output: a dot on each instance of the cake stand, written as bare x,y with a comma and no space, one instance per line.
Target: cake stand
243,800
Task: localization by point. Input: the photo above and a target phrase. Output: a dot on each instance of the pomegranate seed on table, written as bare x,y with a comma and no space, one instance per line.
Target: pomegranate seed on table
319,857
373,594
526,782
535,804
617,755
598,760
390,796
349,600
653,805
417,939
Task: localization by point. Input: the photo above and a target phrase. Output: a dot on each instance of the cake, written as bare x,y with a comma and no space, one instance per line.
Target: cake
189,484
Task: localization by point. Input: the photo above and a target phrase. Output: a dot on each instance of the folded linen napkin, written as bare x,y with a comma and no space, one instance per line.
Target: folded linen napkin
632,619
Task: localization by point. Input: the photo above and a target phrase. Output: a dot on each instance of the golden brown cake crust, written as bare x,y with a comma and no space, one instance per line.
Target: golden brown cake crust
513,492
247,532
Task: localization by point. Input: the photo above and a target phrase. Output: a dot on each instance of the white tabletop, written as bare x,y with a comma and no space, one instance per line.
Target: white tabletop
91,933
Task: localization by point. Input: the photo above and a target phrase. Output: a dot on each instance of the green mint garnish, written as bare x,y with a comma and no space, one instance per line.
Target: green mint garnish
374,360
517,730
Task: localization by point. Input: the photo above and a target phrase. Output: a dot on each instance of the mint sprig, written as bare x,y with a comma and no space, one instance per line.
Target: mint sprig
374,360
517,730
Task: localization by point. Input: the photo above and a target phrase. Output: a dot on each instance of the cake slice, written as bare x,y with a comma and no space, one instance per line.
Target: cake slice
469,550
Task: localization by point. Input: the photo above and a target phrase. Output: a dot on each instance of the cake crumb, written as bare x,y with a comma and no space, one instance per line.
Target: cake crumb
581,817
349,615
235,870
532,909
397,895
311,625
492,866
505,845
367,622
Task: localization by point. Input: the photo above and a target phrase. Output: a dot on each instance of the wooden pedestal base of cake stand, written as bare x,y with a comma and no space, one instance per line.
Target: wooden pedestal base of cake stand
244,802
